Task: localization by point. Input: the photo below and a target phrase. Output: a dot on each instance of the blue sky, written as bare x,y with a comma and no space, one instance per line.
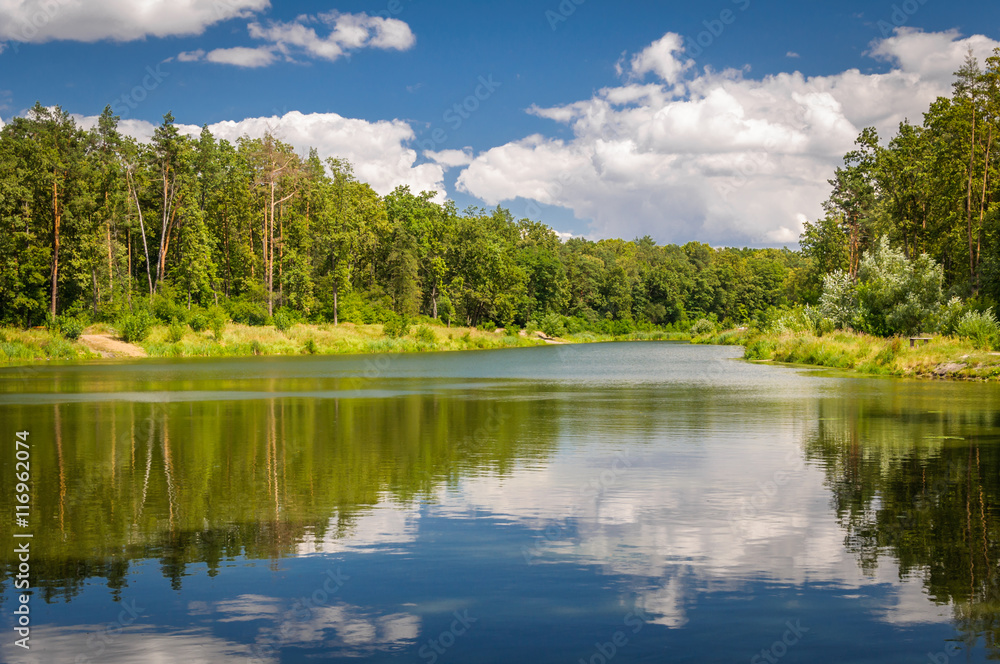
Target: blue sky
639,137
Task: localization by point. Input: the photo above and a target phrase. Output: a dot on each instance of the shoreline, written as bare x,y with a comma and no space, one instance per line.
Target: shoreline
942,358
100,342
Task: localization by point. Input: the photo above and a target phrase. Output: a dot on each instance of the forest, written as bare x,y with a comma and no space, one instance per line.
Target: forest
95,225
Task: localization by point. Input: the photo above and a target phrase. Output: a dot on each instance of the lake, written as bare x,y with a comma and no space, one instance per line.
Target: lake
633,502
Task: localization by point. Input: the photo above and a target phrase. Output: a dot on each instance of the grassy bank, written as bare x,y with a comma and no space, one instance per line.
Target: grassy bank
23,346
20,346
942,357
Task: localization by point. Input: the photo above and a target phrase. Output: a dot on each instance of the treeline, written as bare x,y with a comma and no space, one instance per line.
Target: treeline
95,225
933,189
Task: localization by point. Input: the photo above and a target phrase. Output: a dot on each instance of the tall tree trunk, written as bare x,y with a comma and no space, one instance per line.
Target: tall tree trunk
55,242
270,259
968,200
336,290
142,229
982,212
111,270
128,280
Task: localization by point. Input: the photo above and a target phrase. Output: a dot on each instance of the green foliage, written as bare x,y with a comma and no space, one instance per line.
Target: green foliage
71,328
176,331
980,327
396,326
166,309
247,313
311,346
199,321
282,321
135,327
425,335
217,322
703,326
951,314
892,295
552,325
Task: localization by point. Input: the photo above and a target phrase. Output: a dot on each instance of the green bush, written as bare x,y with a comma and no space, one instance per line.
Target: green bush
282,321
311,347
396,326
176,331
135,327
892,294
71,328
199,321
552,325
487,326
217,321
425,335
703,326
164,308
530,328
248,313
980,327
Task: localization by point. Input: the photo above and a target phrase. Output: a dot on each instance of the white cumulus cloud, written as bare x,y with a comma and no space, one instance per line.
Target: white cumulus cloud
39,21
241,56
716,156
345,33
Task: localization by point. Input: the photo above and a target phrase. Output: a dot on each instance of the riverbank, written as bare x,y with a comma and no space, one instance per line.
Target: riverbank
101,341
941,357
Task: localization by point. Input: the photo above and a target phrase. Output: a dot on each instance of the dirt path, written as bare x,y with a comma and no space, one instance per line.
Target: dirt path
107,346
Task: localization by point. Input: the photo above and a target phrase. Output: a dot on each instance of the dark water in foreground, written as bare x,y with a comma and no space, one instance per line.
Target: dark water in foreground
626,502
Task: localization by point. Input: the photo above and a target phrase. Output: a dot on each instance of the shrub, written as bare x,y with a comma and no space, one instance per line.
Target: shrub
248,313
425,335
176,331
446,310
703,326
980,327
530,327
487,326
311,347
199,322
71,328
396,326
892,295
282,321
164,308
951,314
553,326
135,327
218,324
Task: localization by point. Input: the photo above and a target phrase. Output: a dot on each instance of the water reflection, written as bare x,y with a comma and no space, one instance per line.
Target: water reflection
305,515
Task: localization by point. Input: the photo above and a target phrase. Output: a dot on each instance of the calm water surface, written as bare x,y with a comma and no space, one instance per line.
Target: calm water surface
629,502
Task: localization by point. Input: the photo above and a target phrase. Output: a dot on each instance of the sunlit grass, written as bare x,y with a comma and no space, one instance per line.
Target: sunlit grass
941,356
38,344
